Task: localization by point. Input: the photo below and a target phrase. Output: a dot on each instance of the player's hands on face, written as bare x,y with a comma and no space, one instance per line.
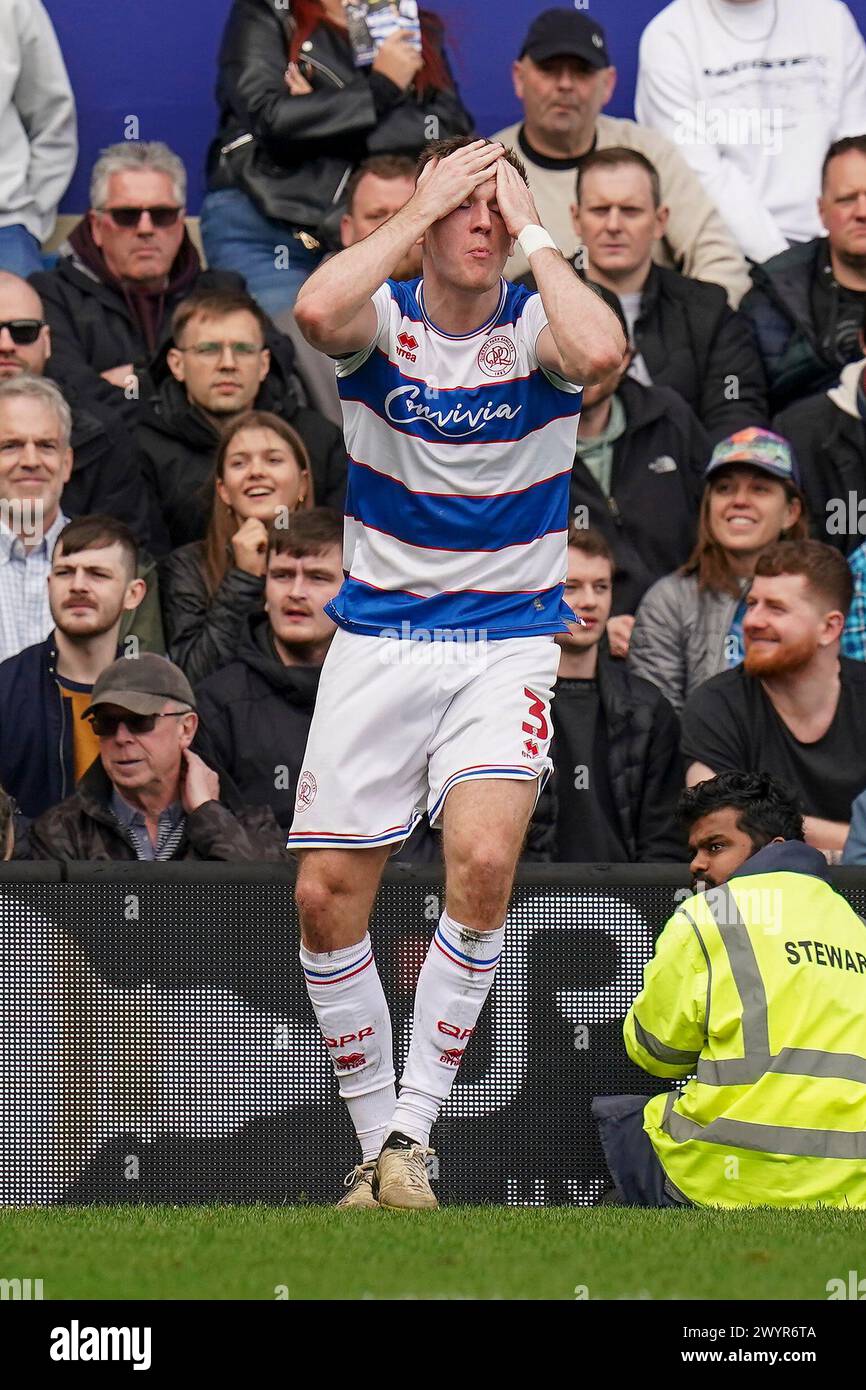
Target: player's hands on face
446,183
250,546
399,59
296,82
198,784
514,199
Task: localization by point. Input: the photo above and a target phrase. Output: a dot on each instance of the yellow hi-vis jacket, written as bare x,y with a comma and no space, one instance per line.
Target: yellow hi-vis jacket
757,989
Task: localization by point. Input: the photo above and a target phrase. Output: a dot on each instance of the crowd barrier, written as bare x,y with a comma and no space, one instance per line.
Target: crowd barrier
157,1043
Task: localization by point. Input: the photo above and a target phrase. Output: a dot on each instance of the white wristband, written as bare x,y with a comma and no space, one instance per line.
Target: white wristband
535,238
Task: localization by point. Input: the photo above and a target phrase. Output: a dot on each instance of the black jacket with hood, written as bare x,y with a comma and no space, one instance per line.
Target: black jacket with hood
828,436
177,444
98,323
645,768
798,360
255,715
650,517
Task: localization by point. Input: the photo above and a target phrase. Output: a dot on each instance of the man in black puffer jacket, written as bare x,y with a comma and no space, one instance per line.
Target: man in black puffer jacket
684,334
638,476
198,392
256,712
807,304
618,770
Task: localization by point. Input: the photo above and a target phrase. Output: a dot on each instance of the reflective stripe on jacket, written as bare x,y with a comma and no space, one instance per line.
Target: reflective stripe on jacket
758,991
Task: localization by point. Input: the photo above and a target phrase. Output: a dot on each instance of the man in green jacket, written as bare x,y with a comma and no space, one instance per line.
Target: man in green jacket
757,992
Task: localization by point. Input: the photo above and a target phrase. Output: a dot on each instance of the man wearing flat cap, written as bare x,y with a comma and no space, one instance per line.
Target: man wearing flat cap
147,796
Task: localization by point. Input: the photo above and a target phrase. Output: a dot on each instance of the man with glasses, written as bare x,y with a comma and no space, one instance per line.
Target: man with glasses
101,479
217,366
128,264
148,796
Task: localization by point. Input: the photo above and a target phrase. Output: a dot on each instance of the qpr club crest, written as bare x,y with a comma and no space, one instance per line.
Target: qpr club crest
497,356
307,789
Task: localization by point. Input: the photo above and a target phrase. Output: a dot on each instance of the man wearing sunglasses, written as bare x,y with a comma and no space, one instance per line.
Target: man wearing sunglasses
129,263
148,796
101,479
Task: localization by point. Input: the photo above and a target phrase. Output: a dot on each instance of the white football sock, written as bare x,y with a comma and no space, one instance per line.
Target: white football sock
454,982
349,1003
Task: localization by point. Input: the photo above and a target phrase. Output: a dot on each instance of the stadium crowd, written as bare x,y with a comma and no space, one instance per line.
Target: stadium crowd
173,471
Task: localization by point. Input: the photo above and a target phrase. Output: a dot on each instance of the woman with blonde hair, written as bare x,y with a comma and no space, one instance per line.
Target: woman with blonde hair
208,588
688,626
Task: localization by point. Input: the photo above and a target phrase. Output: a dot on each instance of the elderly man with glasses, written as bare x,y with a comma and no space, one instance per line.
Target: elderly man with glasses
148,796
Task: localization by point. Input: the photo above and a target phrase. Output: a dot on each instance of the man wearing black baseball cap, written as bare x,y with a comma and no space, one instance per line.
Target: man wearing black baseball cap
564,78
148,796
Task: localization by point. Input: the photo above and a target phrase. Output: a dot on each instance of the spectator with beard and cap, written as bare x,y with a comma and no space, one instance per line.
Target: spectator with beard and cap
35,465
255,713
379,187
752,1011
129,263
828,436
218,367
683,331
38,133
148,796
618,770
637,478
564,78
47,747
103,477
807,304
794,708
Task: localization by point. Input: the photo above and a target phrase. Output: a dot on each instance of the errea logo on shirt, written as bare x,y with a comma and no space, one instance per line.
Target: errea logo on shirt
665,464
407,346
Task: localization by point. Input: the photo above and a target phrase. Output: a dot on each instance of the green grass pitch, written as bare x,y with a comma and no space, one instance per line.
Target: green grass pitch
458,1253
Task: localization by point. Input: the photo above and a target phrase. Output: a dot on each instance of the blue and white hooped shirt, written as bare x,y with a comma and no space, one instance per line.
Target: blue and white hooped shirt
460,453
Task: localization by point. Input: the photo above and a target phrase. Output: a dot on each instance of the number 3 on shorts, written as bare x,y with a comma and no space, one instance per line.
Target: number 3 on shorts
536,710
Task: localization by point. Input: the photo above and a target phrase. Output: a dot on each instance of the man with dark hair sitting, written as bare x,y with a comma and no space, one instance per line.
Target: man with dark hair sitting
618,770
148,796
756,992
255,713
637,478
46,747
794,708
217,366
682,330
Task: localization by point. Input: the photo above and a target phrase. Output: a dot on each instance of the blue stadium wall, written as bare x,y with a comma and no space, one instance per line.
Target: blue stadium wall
157,61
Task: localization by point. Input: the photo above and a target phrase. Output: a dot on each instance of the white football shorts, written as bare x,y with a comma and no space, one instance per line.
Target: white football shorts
399,722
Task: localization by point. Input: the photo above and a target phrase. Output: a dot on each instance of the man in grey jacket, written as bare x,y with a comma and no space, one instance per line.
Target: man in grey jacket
38,134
